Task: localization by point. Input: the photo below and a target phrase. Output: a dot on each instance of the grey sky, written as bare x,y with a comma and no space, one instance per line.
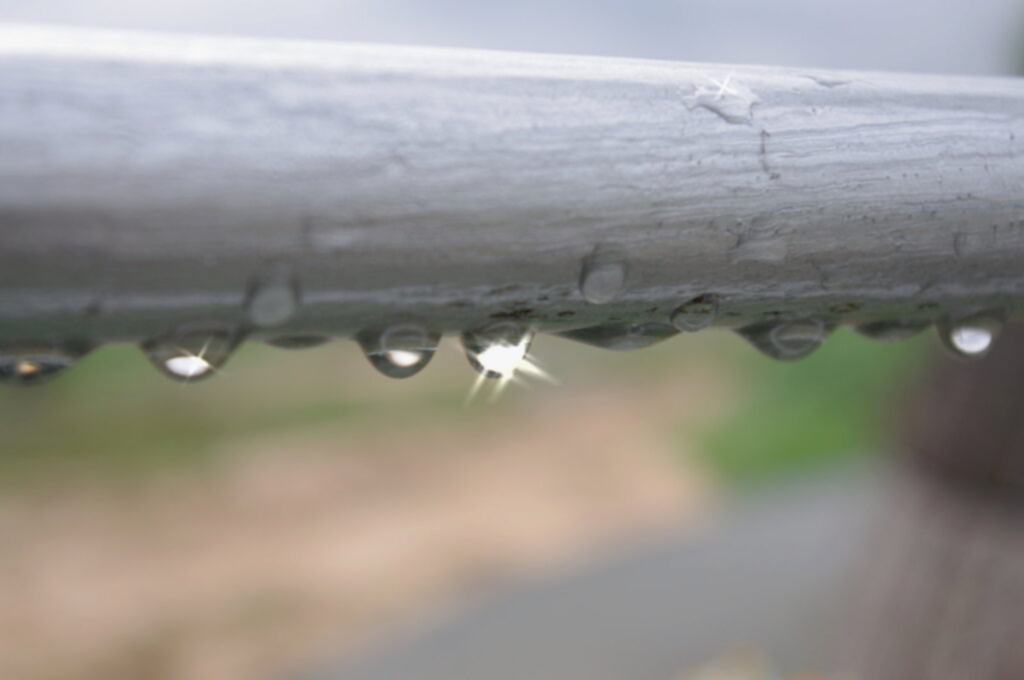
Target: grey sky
954,36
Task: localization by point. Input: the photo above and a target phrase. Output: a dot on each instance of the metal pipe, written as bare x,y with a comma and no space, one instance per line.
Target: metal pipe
149,181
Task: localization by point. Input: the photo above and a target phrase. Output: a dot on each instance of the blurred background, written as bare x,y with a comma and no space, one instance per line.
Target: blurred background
672,513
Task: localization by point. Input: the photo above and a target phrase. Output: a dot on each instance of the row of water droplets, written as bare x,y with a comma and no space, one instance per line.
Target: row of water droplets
603,279
497,351
194,352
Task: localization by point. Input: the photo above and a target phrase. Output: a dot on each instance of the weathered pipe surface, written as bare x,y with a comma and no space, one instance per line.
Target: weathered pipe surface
151,180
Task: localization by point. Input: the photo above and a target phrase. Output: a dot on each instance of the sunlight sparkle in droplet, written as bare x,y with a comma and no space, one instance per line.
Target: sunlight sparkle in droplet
501,361
503,358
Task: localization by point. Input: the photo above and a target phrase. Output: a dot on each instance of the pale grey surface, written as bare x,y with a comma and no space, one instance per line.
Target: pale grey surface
148,178
768,578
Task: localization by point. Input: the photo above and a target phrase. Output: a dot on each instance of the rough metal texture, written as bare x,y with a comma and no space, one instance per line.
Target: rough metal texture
147,180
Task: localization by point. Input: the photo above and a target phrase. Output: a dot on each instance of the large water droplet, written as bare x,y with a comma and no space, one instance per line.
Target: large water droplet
726,97
35,363
758,248
622,337
602,279
697,314
972,337
787,340
893,330
273,298
399,351
192,353
498,350
298,341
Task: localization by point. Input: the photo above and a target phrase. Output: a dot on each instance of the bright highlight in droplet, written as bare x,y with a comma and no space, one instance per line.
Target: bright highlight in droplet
972,340
502,358
25,369
502,361
403,358
188,366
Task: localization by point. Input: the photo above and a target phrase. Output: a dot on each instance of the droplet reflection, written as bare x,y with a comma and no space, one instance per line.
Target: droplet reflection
30,364
892,331
697,314
787,340
188,367
192,353
974,336
622,337
404,358
399,351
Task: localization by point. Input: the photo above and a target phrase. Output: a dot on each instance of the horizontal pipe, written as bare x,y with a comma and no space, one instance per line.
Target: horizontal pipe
149,181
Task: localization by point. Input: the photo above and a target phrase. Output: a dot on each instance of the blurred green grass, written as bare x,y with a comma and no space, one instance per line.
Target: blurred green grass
114,417
833,406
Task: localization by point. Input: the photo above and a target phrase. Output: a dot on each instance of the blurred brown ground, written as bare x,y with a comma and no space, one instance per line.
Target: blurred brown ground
305,543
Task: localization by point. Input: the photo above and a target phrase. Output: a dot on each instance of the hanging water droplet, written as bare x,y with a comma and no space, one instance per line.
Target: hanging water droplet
273,298
622,337
972,337
787,340
192,353
35,363
399,351
697,314
498,350
298,341
602,279
892,331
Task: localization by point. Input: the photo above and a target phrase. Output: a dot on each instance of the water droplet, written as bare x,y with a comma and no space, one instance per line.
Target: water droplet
787,340
972,337
622,337
192,353
273,298
726,97
298,341
894,330
36,363
697,314
967,244
399,351
601,281
498,350
830,82
758,248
